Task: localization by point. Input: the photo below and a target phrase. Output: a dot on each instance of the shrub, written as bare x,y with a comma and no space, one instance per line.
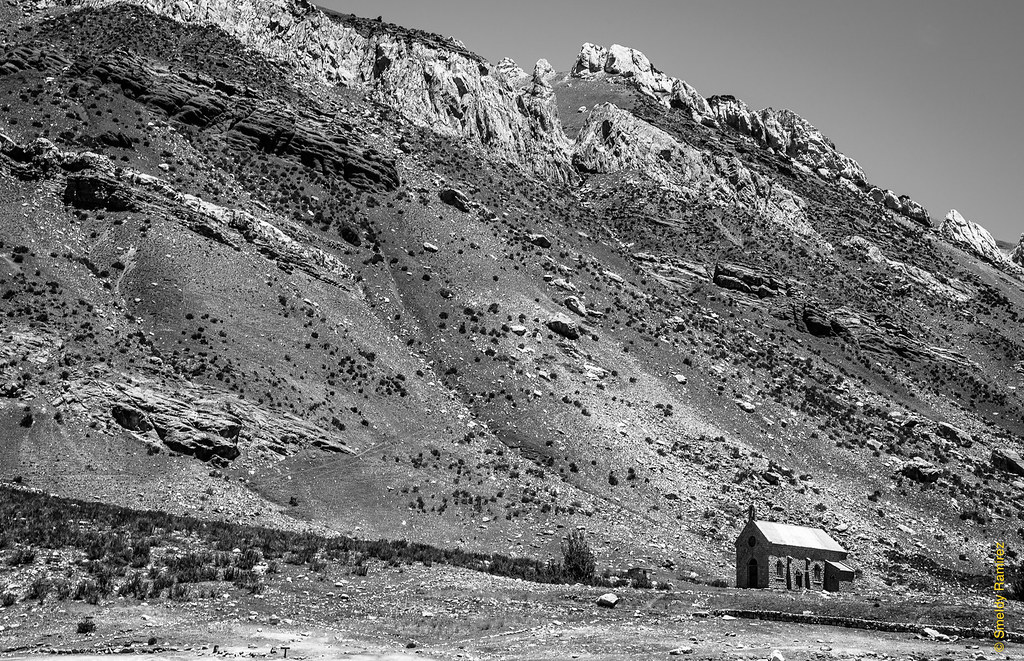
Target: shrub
577,559
62,588
23,556
8,599
39,589
180,592
87,591
642,581
136,586
86,626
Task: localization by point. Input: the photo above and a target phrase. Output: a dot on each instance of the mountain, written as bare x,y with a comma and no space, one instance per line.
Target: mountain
269,264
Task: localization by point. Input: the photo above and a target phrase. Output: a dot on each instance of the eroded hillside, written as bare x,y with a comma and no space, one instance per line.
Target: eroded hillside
274,266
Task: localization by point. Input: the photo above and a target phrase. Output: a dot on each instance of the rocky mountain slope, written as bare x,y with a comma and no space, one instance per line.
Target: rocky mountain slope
269,264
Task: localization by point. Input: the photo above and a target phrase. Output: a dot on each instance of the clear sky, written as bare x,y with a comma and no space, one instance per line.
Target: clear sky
927,95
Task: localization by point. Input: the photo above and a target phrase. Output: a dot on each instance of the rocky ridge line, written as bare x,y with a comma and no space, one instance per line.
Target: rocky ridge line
450,91
781,131
614,140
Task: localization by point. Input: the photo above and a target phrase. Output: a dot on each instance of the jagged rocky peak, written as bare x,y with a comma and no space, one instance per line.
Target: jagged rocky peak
783,131
543,73
1017,256
973,238
507,69
625,62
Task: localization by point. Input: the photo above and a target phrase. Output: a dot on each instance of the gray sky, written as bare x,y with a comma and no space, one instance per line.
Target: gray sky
927,95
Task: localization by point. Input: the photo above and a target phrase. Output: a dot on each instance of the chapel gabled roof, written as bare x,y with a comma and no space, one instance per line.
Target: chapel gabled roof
802,536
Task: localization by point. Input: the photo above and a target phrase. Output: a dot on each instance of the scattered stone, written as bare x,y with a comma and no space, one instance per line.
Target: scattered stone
430,247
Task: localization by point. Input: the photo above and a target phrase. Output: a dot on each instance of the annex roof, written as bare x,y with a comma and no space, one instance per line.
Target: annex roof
790,535
841,566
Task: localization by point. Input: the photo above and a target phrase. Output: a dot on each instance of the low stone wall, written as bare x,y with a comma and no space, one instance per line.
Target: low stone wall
857,623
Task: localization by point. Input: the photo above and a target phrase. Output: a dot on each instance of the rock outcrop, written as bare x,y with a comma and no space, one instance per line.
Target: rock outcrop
936,283
787,133
194,420
748,281
783,131
975,239
901,204
432,82
328,145
92,181
614,140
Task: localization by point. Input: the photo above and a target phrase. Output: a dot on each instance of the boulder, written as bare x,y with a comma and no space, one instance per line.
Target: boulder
920,470
564,326
608,600
1008,461
776,655
455,198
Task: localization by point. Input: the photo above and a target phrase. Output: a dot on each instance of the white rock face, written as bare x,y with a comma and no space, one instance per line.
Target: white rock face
974,239
590,60
614,140
625,62
1017,256
450,91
